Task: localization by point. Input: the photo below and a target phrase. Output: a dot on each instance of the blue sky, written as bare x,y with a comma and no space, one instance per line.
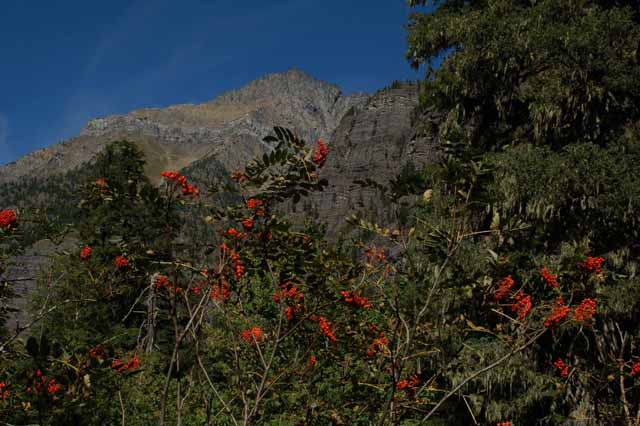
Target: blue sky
64,62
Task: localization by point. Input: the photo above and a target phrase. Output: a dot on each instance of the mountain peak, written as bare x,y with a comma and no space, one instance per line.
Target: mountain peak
281,84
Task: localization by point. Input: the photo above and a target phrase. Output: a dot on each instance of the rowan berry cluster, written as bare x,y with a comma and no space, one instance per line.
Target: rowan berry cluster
409,385
562,367
355,299
257,206
86,253
290,294
549,278
254,334
234,234
504,288
121,262
522,306
326,327
320,153
185,187
122,367
4,391
103,185
559,314
221,292
8,219
238,266
163,283
592,264
375,255
586,310
247,224
238,176
41,383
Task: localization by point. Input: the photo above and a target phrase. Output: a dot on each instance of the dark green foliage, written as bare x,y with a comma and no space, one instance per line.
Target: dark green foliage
126,209
543,98
581,190
51,203
121,214
551,71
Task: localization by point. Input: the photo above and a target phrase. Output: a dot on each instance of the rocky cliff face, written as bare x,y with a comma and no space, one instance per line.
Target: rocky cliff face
230,127
376,141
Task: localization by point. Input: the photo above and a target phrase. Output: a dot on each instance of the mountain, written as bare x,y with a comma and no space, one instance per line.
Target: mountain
229,127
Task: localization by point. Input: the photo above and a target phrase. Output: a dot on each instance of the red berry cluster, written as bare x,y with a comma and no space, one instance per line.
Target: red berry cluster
8,219
559,314
247,224
185,187
53,387
549,278
380,344
163,283
320,153
86,253
355,299
326,327
257,206
522,306
288,291
375,255
41,383
290,294
238,176
221,292
592,264
121,262
122,367
504,288
562,367
238,266
409,385
254,334
103,185
635,370
4,391
586,310
234,234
